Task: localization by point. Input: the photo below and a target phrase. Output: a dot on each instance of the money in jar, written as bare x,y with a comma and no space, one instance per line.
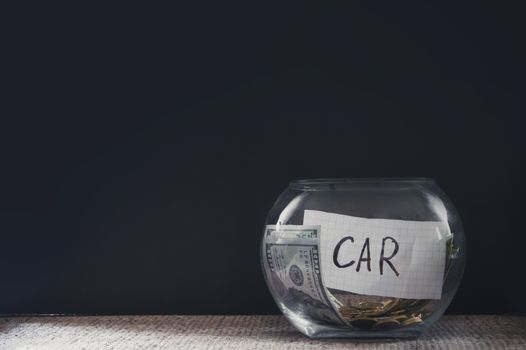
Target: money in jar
363,258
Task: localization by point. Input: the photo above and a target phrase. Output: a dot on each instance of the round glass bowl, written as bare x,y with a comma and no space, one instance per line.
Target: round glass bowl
363,258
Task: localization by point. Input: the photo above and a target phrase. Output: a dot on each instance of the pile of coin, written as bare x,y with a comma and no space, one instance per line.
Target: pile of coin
386,314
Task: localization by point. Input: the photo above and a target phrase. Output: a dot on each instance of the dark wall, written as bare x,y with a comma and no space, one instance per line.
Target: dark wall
141,148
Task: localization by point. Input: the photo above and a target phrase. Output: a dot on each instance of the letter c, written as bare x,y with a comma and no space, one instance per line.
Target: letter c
337,250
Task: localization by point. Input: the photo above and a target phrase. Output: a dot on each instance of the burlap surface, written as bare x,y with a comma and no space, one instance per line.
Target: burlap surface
240,332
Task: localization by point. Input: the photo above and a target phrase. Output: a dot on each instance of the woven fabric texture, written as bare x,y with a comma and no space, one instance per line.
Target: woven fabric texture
240,332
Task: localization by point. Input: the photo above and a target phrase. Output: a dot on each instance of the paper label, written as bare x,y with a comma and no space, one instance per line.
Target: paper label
391,258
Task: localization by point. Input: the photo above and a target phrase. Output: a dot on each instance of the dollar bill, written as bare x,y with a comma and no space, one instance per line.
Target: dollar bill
292,266
286,232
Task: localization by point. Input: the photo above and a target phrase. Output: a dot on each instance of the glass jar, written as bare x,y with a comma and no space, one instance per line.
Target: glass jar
363,258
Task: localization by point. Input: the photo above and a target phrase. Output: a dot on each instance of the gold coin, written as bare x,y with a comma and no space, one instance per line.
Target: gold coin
398,312
387,324
412,321
370,305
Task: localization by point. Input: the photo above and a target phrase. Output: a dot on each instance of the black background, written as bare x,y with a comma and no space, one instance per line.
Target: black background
143,146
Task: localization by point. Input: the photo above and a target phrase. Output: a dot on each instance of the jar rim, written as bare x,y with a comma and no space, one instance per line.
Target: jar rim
324,181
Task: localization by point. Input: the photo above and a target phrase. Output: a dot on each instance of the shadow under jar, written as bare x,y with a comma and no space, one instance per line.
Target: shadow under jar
363,258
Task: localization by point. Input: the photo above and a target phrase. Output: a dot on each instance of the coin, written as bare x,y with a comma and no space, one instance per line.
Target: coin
412,321
370,305
387,324
397,312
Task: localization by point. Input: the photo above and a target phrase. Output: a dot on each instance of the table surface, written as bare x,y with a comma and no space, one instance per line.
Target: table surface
239,332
